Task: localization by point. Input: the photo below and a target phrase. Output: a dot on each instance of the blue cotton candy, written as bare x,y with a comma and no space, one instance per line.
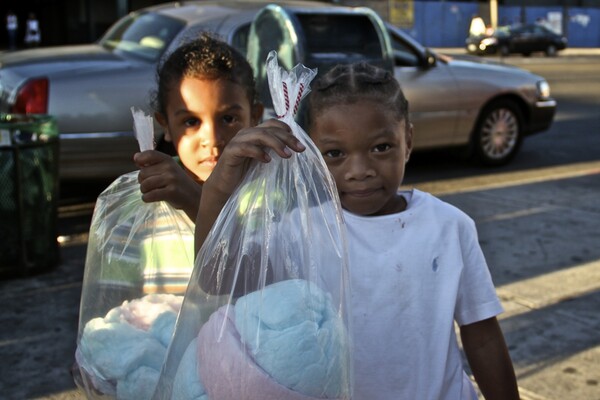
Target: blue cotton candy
187,385
125,350
162,328
113,350
294,334
138,385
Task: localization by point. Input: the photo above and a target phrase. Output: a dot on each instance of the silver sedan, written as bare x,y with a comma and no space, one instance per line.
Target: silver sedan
484,108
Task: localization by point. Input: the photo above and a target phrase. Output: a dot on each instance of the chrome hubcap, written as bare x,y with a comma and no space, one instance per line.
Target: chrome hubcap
499,133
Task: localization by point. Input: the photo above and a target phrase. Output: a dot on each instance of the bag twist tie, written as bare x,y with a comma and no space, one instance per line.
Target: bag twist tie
287,98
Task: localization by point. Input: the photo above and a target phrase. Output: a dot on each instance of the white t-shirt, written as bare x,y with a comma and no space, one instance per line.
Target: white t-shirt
412,275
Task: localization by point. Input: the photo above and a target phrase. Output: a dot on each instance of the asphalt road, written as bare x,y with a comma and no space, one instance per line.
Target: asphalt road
538,224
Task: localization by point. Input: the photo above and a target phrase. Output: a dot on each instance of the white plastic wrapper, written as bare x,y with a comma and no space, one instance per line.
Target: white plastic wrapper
265,315
139,260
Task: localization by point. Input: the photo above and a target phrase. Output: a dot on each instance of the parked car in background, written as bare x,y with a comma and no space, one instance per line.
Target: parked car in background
487,108
91,88
520,39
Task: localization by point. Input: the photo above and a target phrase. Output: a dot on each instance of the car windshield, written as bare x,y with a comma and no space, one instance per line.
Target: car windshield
503,30
144,35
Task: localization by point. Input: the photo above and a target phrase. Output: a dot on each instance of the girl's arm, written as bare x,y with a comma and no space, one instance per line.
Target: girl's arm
486,351
247,144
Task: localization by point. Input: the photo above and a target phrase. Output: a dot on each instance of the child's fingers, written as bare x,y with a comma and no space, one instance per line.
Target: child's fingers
254,142
283,132
149,157
237,152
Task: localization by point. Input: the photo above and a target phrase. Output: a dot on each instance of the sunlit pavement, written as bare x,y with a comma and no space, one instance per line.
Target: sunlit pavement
539,231
576,51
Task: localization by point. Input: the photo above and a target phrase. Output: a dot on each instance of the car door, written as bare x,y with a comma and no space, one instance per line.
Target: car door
433,94
540,39
524,40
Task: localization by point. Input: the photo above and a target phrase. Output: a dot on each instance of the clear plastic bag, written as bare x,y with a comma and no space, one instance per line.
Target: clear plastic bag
265,314
139,260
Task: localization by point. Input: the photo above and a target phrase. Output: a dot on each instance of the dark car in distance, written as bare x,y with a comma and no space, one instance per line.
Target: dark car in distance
519,39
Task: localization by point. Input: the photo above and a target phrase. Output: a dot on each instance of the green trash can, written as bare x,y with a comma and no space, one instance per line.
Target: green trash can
29,185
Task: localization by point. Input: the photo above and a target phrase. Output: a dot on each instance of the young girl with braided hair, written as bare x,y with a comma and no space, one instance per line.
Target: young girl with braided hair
416,267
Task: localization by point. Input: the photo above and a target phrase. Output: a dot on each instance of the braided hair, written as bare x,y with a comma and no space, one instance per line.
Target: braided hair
206,58
353,83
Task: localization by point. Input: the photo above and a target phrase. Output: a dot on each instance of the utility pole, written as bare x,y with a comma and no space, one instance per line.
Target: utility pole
494,14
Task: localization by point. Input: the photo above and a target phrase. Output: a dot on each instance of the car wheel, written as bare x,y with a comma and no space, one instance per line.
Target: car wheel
504,51
526,54
551,50
498,133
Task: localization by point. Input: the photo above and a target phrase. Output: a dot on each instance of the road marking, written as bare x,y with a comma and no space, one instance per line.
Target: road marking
518,214
506,179
26,339
550,288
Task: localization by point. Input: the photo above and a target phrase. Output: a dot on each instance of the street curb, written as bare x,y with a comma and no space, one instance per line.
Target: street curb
569,52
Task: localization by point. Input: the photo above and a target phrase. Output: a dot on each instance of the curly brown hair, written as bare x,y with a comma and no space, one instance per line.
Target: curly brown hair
206,57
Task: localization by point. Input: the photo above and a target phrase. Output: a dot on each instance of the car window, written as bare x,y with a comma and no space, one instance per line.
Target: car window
332,38
528,30
142,35
239,40
404,55
503,31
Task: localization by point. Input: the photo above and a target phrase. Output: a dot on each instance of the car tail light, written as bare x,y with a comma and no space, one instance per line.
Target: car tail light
32,98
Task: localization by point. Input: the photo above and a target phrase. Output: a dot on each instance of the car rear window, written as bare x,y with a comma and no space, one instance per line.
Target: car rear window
331,37
143,35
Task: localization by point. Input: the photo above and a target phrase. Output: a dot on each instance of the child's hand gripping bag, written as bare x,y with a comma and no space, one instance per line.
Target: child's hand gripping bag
265,314
139,260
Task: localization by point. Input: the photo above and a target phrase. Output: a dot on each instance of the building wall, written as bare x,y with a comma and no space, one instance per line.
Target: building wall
580,24
83,21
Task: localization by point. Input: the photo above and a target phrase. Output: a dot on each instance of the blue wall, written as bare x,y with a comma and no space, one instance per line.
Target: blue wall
583,27
446,23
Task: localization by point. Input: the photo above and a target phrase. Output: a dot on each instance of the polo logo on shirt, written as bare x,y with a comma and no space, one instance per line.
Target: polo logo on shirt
434,265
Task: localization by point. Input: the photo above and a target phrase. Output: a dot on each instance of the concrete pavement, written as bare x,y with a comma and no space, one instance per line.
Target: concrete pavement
539,231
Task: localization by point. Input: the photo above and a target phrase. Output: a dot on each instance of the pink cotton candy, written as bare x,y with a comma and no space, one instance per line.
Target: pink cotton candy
142,312
228,372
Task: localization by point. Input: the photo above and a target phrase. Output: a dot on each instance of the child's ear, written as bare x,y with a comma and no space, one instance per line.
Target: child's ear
257,113
162,121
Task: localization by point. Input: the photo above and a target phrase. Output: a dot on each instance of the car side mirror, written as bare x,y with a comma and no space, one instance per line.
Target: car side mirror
430,59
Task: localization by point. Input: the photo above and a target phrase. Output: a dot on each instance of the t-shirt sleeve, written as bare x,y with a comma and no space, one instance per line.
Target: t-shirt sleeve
477,298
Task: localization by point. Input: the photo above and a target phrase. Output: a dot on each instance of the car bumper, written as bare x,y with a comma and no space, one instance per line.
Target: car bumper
474,48
542,116
96,156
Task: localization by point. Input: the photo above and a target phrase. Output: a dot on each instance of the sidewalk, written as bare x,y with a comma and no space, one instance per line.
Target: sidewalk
568,52
539,231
